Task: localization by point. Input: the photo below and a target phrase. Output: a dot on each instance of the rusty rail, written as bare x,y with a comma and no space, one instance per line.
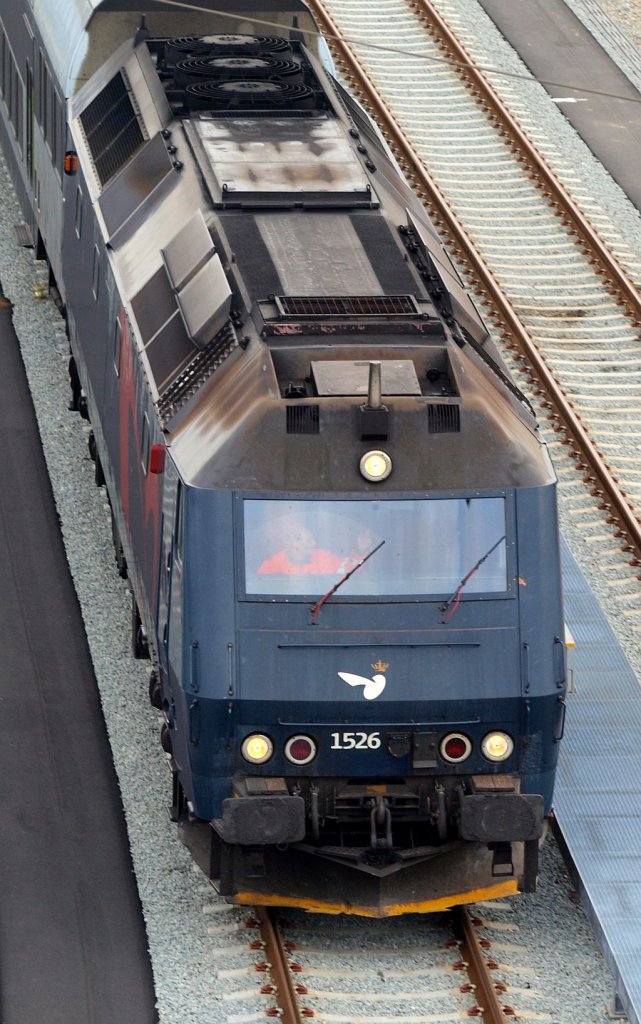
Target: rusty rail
479,968
288,1010
521,144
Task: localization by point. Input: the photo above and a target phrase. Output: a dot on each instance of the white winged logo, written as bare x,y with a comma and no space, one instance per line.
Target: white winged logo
372,688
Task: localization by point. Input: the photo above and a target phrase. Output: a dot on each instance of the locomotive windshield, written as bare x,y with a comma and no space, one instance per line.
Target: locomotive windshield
304,547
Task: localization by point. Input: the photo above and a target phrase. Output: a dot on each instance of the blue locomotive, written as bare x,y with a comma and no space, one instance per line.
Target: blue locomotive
334,507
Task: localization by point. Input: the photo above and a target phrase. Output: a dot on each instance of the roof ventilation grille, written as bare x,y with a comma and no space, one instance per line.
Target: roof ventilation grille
303,419
443,418
346,305
197,372
112,128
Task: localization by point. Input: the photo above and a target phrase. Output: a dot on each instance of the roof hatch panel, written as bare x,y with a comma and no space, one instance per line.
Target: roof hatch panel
343,377
303,159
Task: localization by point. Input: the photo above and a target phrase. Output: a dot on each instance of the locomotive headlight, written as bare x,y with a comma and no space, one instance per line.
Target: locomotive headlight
497,746
257,748
375,466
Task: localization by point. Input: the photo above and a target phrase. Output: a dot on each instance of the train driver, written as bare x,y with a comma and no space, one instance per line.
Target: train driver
300,554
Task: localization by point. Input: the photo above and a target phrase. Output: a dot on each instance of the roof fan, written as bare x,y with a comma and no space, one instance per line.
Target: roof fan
246,95
243,45
234,67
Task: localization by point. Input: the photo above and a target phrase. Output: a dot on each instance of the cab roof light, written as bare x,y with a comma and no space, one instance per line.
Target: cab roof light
375,466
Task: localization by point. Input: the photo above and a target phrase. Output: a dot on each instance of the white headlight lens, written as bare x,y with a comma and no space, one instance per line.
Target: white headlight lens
497,746
375,466
257,748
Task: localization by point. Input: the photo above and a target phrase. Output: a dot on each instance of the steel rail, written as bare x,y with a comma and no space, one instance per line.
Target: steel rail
548,182
585,449
479,969
288,1010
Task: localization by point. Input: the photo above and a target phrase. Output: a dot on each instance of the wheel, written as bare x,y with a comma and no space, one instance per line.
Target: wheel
165,738
83,406
139,645
121,561
98,474
155,691
74,381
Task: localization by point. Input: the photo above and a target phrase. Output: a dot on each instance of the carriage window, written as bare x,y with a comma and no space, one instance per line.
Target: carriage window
414,547
145,444
178,526
95,277
79,212
4,78
57,129
117,346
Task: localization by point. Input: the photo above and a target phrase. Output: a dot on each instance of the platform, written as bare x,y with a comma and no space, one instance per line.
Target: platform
558,48
598,791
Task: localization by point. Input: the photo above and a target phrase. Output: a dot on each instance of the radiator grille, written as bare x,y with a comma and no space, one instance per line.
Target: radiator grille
204,363
443,419
302,419
346,305
112,129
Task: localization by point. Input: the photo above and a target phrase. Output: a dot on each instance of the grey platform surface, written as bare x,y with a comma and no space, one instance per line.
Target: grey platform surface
597,799
557,47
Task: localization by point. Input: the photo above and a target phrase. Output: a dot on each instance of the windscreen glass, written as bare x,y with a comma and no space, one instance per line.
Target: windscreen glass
418,547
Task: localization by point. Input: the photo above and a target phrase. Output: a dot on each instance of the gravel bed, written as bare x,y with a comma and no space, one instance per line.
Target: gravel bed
198,944
617,26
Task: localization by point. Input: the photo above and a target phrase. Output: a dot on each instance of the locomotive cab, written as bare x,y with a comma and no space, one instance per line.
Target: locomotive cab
386,713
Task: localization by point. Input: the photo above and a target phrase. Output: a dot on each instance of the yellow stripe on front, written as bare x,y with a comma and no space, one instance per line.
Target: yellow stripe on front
491,892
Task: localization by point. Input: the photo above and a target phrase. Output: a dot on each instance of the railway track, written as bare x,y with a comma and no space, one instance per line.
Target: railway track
345,971
554,279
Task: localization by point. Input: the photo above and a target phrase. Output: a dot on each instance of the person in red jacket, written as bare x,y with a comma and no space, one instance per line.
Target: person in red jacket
300,554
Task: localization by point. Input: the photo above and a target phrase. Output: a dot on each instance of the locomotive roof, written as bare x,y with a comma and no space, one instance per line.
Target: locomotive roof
325,268
75,52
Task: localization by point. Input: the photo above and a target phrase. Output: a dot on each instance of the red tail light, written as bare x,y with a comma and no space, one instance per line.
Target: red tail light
455,747
300,749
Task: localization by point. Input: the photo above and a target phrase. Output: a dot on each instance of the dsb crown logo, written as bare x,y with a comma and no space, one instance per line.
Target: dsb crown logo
372,688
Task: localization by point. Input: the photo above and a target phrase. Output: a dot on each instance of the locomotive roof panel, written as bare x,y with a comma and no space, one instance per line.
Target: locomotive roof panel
301,159
80,35
351,377
461,434
290,252
264,266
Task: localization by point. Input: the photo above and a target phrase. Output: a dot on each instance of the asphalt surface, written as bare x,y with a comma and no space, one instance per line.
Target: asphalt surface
573,68
73,947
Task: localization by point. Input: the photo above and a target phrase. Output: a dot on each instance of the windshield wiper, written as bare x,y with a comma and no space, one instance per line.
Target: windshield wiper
319,604
456,596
